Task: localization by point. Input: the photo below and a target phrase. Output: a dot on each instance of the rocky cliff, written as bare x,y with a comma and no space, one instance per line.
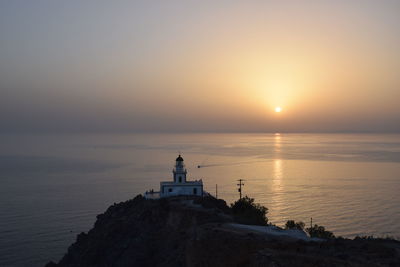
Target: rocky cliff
200,232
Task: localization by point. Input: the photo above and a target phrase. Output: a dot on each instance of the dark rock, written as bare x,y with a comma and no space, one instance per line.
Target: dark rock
192,231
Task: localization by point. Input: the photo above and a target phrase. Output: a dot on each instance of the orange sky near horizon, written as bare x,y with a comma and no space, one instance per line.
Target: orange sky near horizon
331,66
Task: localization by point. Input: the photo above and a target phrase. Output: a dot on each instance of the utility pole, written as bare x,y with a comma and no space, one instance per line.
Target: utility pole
216,191
240,184
311,223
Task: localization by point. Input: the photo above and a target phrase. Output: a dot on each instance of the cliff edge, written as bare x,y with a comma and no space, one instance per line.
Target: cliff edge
195,231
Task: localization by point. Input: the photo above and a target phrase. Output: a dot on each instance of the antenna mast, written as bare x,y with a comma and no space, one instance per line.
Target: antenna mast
240,184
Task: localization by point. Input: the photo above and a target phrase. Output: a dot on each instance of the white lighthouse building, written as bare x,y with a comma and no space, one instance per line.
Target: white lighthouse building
179,185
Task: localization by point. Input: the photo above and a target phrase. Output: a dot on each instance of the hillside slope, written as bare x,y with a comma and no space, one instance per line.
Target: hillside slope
200,232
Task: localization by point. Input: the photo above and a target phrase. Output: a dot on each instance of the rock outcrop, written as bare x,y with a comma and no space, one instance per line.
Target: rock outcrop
194,231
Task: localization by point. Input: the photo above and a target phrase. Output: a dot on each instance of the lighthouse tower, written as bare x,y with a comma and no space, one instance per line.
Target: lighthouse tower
179,171
180,185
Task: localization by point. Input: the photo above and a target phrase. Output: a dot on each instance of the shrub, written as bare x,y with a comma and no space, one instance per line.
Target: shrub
320,232
294,225
245,211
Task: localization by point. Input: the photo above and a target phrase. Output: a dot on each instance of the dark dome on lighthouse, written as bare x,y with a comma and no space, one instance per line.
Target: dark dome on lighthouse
179,158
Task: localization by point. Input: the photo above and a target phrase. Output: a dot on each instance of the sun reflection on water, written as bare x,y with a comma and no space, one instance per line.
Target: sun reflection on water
277,176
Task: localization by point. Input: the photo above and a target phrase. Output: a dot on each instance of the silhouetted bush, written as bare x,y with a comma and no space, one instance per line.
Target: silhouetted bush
320,232
294,225
245,211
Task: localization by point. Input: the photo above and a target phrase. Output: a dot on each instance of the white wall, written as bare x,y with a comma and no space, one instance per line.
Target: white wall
181,190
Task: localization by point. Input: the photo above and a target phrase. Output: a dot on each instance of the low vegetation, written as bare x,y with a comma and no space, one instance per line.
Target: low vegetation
294,225
320,232
246,211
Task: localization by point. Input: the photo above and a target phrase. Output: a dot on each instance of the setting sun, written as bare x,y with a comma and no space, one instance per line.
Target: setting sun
278,109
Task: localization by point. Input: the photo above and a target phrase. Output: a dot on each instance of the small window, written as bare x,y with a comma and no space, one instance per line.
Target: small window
170,190
180,179
194,191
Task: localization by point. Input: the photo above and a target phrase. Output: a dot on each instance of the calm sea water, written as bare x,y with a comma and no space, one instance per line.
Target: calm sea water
52,187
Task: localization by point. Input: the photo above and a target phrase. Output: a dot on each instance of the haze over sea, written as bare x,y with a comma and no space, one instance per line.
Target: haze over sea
52,187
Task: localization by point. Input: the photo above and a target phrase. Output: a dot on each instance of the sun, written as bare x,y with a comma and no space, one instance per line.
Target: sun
278,109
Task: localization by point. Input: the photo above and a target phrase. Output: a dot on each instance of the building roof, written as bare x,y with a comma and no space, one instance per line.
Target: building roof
179,158
187,183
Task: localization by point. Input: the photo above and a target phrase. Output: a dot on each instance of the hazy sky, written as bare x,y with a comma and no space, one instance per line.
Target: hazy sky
118,66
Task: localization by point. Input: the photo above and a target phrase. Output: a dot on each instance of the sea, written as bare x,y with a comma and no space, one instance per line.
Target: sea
53,186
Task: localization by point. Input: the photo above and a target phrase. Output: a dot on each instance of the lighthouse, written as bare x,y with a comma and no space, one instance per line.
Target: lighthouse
179,171
180,185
